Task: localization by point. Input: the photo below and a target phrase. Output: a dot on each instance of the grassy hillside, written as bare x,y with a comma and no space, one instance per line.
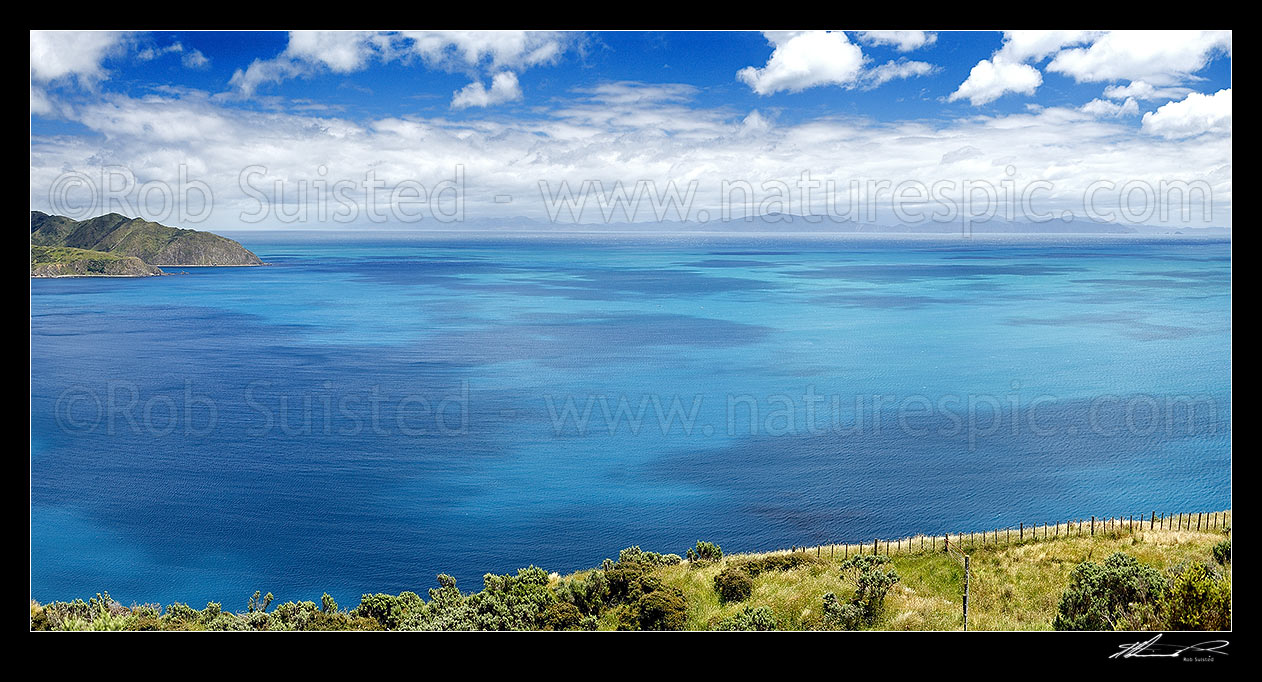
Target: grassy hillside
62,261
1017,581
151,242
1013,586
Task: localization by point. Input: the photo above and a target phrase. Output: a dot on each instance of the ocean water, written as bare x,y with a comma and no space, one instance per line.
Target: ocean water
370,411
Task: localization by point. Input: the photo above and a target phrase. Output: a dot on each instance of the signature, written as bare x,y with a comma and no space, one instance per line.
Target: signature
1153,649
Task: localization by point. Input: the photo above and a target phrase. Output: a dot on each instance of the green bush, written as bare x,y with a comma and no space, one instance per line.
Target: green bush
587,591
389,611
1222,552
705,551
777,562
733,584
1198,598
759,619
562,616
839,616
661,609
1109,596
872,581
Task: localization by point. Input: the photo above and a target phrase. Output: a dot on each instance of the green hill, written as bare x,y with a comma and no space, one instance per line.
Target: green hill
63,261
122,237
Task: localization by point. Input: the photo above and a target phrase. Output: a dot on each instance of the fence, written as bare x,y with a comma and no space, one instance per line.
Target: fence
1110,526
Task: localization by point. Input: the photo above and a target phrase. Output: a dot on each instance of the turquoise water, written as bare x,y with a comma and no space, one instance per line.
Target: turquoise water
368,412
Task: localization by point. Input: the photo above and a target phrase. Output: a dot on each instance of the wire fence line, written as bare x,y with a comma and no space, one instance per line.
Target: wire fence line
1107,526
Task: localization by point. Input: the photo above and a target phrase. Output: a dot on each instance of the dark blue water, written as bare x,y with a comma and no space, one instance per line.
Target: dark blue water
366,413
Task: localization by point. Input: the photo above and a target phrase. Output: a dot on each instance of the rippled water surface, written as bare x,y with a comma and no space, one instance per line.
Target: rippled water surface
368,412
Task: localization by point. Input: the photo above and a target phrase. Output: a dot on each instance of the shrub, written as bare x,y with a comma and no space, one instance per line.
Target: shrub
1197,599
759,619
872,581
562,616
662,609
705,551
839,616
634,555
1222,552
389,611
1110,595
588,592
776,562
733,584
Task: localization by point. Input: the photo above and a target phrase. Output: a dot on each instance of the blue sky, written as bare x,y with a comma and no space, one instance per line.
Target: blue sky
513,110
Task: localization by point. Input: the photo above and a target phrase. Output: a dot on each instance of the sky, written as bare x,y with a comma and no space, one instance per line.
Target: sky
434,129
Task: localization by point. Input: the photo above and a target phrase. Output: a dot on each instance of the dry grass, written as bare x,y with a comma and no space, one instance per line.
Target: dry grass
1013,586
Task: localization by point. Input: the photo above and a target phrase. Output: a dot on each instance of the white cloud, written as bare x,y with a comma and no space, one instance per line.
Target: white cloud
1191,116
1021,46
1157,57
1144,91
1103,108
995,77
339,51
501,49
310,52
896,69
811,59
903,41
58,55
504,88
194,59
611,135
631,92
1006,71
39,102
805,60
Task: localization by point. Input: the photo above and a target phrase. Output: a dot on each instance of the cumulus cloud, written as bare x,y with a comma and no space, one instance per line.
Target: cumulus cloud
903,41
1193,115
1157,57
1020,46
504,88
805,60
809,59
1154,62
1007,71
78,55
995,77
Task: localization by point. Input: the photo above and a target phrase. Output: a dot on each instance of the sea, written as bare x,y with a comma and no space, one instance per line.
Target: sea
372,409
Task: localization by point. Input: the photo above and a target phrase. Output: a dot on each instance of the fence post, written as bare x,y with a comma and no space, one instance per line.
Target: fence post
1021,530
1152,521
1093,525
965,593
